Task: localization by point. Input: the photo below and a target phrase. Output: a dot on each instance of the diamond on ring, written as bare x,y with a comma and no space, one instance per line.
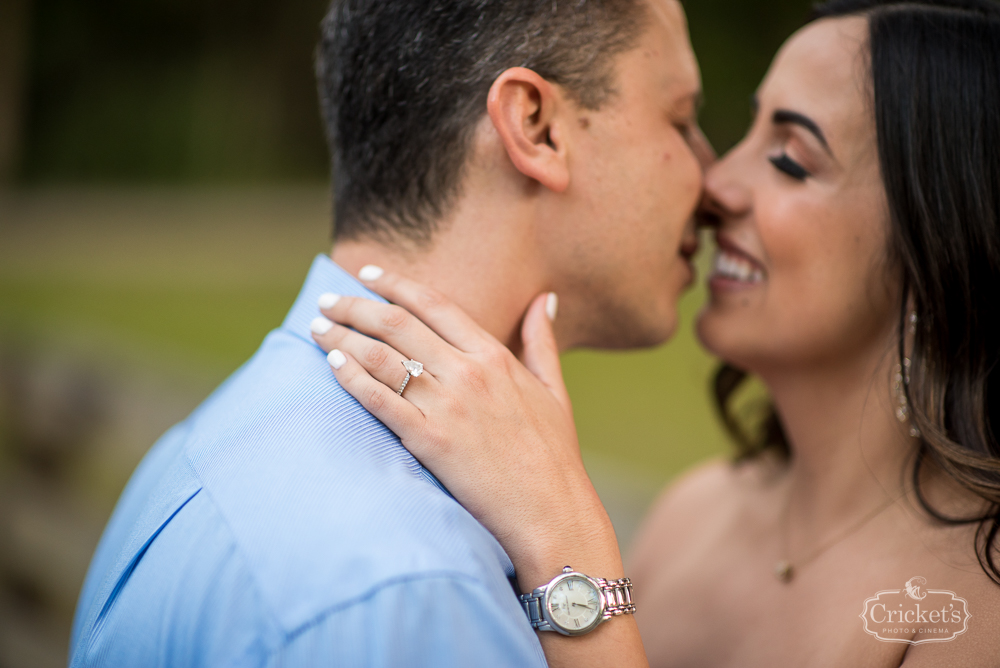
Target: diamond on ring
413,369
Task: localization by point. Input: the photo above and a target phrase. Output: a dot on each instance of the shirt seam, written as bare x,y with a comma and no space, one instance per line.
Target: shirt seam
267,611
270,614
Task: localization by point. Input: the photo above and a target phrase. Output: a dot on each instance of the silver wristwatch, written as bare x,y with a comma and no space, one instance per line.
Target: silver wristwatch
573,603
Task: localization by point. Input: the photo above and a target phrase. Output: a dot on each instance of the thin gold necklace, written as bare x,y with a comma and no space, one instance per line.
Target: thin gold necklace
785,570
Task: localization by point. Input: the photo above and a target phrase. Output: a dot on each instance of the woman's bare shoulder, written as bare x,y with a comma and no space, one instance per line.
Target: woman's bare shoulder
705,487
710,493
979,646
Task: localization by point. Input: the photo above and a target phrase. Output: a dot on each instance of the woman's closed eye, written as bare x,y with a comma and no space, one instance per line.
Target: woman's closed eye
785,164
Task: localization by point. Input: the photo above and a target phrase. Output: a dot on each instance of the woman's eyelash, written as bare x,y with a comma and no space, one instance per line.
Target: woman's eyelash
788,166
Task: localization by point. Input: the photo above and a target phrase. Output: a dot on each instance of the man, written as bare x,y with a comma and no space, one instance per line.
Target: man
494,149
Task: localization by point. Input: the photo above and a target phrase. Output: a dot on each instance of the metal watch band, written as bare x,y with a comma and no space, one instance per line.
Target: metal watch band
617,596
532,605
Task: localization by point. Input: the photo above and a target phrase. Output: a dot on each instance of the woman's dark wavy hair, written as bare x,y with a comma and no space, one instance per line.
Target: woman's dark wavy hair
935,75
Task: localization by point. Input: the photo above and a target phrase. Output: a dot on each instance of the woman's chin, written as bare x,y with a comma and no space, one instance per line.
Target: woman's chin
721,335
705,329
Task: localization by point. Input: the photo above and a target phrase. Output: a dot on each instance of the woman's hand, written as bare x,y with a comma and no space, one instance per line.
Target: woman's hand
498,433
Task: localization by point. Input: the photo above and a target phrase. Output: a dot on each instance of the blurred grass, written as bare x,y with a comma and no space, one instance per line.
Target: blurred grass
188,282
213,324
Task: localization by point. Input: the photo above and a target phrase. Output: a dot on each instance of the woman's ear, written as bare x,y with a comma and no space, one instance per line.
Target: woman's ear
524,109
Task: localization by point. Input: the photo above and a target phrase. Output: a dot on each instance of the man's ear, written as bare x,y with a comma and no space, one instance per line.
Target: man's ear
524,109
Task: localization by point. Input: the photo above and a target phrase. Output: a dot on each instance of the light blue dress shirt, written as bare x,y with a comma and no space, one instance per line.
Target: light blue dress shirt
281,524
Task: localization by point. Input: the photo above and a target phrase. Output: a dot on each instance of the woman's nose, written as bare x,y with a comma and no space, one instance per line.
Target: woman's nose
706,215
726,194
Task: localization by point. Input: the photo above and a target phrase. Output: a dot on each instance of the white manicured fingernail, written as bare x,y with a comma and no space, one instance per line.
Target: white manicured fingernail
320,325
552,305
336,359
370,272
328,300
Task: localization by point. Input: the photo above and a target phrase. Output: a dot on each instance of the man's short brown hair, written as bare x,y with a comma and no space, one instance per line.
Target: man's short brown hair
402,84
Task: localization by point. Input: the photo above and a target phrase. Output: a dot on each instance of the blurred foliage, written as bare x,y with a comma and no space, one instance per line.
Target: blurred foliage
178,90
220,90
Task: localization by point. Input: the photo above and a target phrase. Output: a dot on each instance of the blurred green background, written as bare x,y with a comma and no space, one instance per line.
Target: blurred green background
162,193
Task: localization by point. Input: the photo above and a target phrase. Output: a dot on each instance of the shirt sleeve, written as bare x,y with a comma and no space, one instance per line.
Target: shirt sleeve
440,621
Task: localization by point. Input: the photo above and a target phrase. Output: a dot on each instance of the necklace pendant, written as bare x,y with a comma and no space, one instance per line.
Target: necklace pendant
784,571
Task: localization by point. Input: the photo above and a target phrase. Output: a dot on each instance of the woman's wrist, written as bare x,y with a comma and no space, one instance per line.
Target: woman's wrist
581,537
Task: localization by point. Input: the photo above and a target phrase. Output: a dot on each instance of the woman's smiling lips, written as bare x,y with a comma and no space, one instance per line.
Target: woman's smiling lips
734,269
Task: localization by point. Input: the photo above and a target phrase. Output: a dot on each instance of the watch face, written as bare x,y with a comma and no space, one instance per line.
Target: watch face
574,604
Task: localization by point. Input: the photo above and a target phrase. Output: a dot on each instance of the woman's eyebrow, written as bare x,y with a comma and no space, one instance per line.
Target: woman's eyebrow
784,116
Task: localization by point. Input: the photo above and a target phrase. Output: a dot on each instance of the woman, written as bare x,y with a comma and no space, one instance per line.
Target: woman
859,258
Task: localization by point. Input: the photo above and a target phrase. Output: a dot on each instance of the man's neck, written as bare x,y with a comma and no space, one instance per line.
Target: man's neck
489,270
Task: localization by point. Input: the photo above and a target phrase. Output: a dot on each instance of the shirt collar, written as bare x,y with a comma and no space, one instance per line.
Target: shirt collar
324,276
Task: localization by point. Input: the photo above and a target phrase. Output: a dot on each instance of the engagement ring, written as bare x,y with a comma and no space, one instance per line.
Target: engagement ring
414,369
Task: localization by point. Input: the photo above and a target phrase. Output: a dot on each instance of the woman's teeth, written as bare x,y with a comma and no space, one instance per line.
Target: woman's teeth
736,268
